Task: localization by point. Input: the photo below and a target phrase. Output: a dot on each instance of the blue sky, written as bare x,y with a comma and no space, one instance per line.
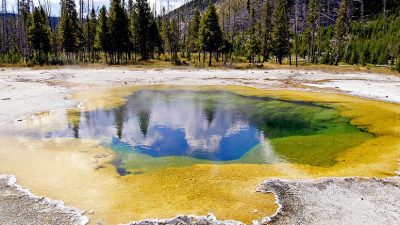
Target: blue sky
55,4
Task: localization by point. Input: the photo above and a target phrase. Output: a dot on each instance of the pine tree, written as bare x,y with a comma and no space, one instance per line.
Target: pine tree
165,34
39,34
267,31
252,18
24,9
161,44
119,30
312,17
173,40
55,45
280,31
210,34
252,47
86,36
69,28
253,43
193,34
46,33
143,24
226,48
90,33
133,30
155,41
25,15
341,27
102,40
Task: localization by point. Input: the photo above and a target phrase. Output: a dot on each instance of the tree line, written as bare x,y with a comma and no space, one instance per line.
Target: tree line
129,32
124,33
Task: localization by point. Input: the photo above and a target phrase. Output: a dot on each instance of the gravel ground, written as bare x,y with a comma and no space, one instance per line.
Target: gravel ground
19,207
335,201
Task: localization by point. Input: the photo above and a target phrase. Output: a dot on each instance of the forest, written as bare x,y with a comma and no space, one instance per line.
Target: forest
205,33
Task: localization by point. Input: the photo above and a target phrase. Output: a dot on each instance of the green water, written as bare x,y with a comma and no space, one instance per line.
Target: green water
181,128
175,128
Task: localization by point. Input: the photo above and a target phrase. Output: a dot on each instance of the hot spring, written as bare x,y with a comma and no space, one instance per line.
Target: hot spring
133,153
156,129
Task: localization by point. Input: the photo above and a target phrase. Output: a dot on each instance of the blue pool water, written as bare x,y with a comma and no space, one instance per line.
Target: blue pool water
169,128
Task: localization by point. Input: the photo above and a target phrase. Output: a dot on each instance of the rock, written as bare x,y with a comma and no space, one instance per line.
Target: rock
187,220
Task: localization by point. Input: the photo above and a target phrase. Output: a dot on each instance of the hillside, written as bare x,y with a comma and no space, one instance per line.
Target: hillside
54,20
234,13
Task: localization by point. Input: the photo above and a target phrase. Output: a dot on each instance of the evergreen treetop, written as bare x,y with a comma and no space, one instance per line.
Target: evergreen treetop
210,34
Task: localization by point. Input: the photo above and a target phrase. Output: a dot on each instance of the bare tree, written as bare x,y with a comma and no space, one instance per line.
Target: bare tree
384,11
319,5
296,39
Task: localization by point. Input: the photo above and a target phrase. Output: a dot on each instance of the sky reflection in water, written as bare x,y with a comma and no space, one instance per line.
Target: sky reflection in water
169,128
175,123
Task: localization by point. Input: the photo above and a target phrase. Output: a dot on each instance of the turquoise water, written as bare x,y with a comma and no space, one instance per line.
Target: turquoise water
158,129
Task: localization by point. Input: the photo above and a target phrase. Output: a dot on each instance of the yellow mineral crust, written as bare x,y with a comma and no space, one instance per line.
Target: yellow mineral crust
78,171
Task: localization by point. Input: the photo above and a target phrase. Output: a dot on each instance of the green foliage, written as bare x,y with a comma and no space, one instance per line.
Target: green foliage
119,32
161,44
155,42
39,34
253,44
398,65
11,57
193,33
280,31
341,28
102,32
365,39
25,11
239,43
210,34
69,29
375,42
133,29
55,48
90,32
363,43
166,34
170,31
312,17
253,47
227,47
267,31
143,24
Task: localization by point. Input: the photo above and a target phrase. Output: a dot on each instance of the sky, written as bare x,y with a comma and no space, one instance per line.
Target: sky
55,4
